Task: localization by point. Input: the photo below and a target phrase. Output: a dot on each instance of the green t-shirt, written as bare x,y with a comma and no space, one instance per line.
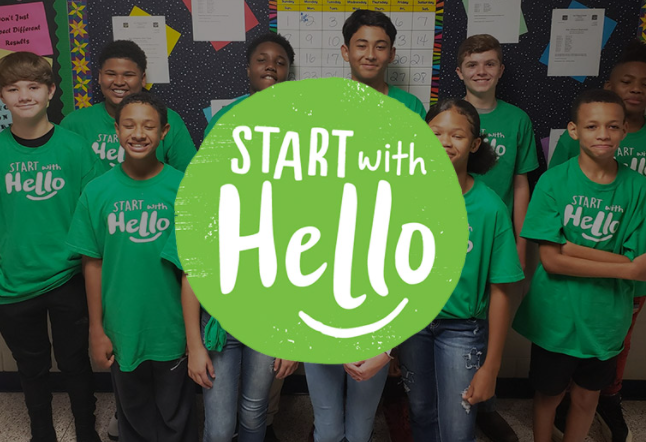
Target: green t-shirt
582,317
41,188
509,131
126,223
97,127
491,255
407,99
631,151
214,119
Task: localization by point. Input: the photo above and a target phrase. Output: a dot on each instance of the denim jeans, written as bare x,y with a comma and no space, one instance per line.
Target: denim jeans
326,384
237,366
437,366
23,326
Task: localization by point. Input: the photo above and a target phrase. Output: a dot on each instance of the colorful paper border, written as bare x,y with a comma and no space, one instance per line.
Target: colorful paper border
79,53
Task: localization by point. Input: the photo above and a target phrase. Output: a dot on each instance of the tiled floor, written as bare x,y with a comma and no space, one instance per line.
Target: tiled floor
292,424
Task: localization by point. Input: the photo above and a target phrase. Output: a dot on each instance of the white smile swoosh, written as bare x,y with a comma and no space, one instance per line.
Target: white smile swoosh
133,239
42,198
354,331
605,238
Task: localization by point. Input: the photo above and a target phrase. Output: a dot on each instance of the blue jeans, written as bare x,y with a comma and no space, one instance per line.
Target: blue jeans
326,384
237,366
437,366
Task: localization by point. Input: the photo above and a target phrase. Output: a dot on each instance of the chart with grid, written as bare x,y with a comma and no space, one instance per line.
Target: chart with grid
313,28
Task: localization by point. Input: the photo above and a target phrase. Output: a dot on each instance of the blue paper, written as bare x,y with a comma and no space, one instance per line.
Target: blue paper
609,25
207,113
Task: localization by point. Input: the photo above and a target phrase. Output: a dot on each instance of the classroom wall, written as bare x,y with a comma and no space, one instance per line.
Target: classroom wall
200,74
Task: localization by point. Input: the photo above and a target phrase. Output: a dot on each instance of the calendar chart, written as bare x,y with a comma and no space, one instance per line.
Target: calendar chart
313,27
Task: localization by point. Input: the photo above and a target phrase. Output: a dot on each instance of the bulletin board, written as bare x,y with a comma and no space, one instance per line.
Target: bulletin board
205,71
40,27
525,82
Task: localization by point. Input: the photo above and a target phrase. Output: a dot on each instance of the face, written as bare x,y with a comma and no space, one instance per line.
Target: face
455,133
120,77
269,64
369,53
481,72
600,127
27,100
628,80
139,130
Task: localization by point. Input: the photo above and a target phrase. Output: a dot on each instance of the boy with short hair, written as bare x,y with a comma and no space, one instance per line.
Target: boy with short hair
588,217
269,57
122,71
45,168
628,80
509,131
368,38
121,225
508,128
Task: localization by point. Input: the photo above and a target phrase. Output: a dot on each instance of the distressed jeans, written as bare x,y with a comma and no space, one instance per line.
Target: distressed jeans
240,390
437,366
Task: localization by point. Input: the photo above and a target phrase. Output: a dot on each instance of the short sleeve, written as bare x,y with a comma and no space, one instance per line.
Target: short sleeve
82,236
504,265
169,253
181,149
91,167
526,159
565,149
419,108
543,220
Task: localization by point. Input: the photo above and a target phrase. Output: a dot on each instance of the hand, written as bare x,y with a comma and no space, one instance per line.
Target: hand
483,386
566,249
364,370
101,349
200,367
394,370
283,368
638,268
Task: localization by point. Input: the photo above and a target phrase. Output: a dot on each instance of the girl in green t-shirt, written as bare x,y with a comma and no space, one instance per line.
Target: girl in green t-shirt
446,360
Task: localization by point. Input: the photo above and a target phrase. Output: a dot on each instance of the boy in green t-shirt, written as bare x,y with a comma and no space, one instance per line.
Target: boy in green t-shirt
587,216
45,169
122,71
628,80
368,46
121,225
269,58
508,128
509,131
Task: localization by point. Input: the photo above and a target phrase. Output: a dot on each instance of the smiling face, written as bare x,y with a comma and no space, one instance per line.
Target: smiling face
140,131
268,65
628,80
118,78
369,53
481,72
27,100
600,127
456,136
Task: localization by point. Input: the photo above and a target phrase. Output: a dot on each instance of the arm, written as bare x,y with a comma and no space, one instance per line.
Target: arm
364,370
200,366
483,384
577,251
557,263
521,201
100,345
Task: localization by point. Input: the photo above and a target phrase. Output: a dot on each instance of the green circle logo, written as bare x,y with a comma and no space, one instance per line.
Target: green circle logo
321,221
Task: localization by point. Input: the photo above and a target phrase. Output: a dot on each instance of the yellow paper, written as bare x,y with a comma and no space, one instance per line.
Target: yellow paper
172,36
